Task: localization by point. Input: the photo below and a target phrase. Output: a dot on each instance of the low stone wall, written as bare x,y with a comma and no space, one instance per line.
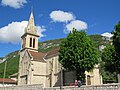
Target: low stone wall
90,87
24,87
102,87
40,87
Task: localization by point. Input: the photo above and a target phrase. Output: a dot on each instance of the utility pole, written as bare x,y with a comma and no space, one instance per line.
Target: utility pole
4,71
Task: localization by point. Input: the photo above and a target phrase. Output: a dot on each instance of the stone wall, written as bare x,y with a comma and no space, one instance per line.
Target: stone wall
89,87
24,87
40,87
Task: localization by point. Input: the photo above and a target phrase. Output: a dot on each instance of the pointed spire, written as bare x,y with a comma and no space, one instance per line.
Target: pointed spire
31,21
31,25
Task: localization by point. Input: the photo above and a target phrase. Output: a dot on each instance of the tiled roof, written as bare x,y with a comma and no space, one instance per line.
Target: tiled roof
37,56
7,80
52,53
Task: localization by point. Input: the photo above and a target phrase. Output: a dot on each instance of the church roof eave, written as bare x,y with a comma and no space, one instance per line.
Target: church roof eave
29,34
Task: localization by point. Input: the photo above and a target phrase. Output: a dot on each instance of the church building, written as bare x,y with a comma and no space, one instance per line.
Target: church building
44,68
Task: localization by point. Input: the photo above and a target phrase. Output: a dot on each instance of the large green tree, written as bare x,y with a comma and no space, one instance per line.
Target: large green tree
111,54
109,64
116,43
77,53
109,58
116,39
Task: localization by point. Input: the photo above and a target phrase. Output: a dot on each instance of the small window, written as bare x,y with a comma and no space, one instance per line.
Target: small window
34,43
30,42
88,80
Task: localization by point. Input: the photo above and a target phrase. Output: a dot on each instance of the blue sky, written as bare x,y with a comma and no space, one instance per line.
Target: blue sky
54,19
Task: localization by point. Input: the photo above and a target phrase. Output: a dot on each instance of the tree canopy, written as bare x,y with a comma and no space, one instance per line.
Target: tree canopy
77,53
111,54
109,58
116,43
108,67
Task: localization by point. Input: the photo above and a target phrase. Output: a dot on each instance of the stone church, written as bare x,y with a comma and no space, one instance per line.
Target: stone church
44,68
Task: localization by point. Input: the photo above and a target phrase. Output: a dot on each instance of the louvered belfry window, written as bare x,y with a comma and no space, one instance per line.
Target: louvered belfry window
34,43
30,42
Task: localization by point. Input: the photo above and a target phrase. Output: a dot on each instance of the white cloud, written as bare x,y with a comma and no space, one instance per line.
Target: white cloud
106,34
77,24
14,3
61,16
40,29
12,32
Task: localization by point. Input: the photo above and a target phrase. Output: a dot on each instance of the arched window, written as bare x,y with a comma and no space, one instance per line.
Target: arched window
34,43
88,80
30,42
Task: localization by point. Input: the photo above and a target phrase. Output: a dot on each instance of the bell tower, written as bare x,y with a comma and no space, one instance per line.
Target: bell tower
30,36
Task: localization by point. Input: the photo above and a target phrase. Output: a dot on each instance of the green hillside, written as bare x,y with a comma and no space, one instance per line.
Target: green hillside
13,58
1,57
49,45
12,64
97,39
